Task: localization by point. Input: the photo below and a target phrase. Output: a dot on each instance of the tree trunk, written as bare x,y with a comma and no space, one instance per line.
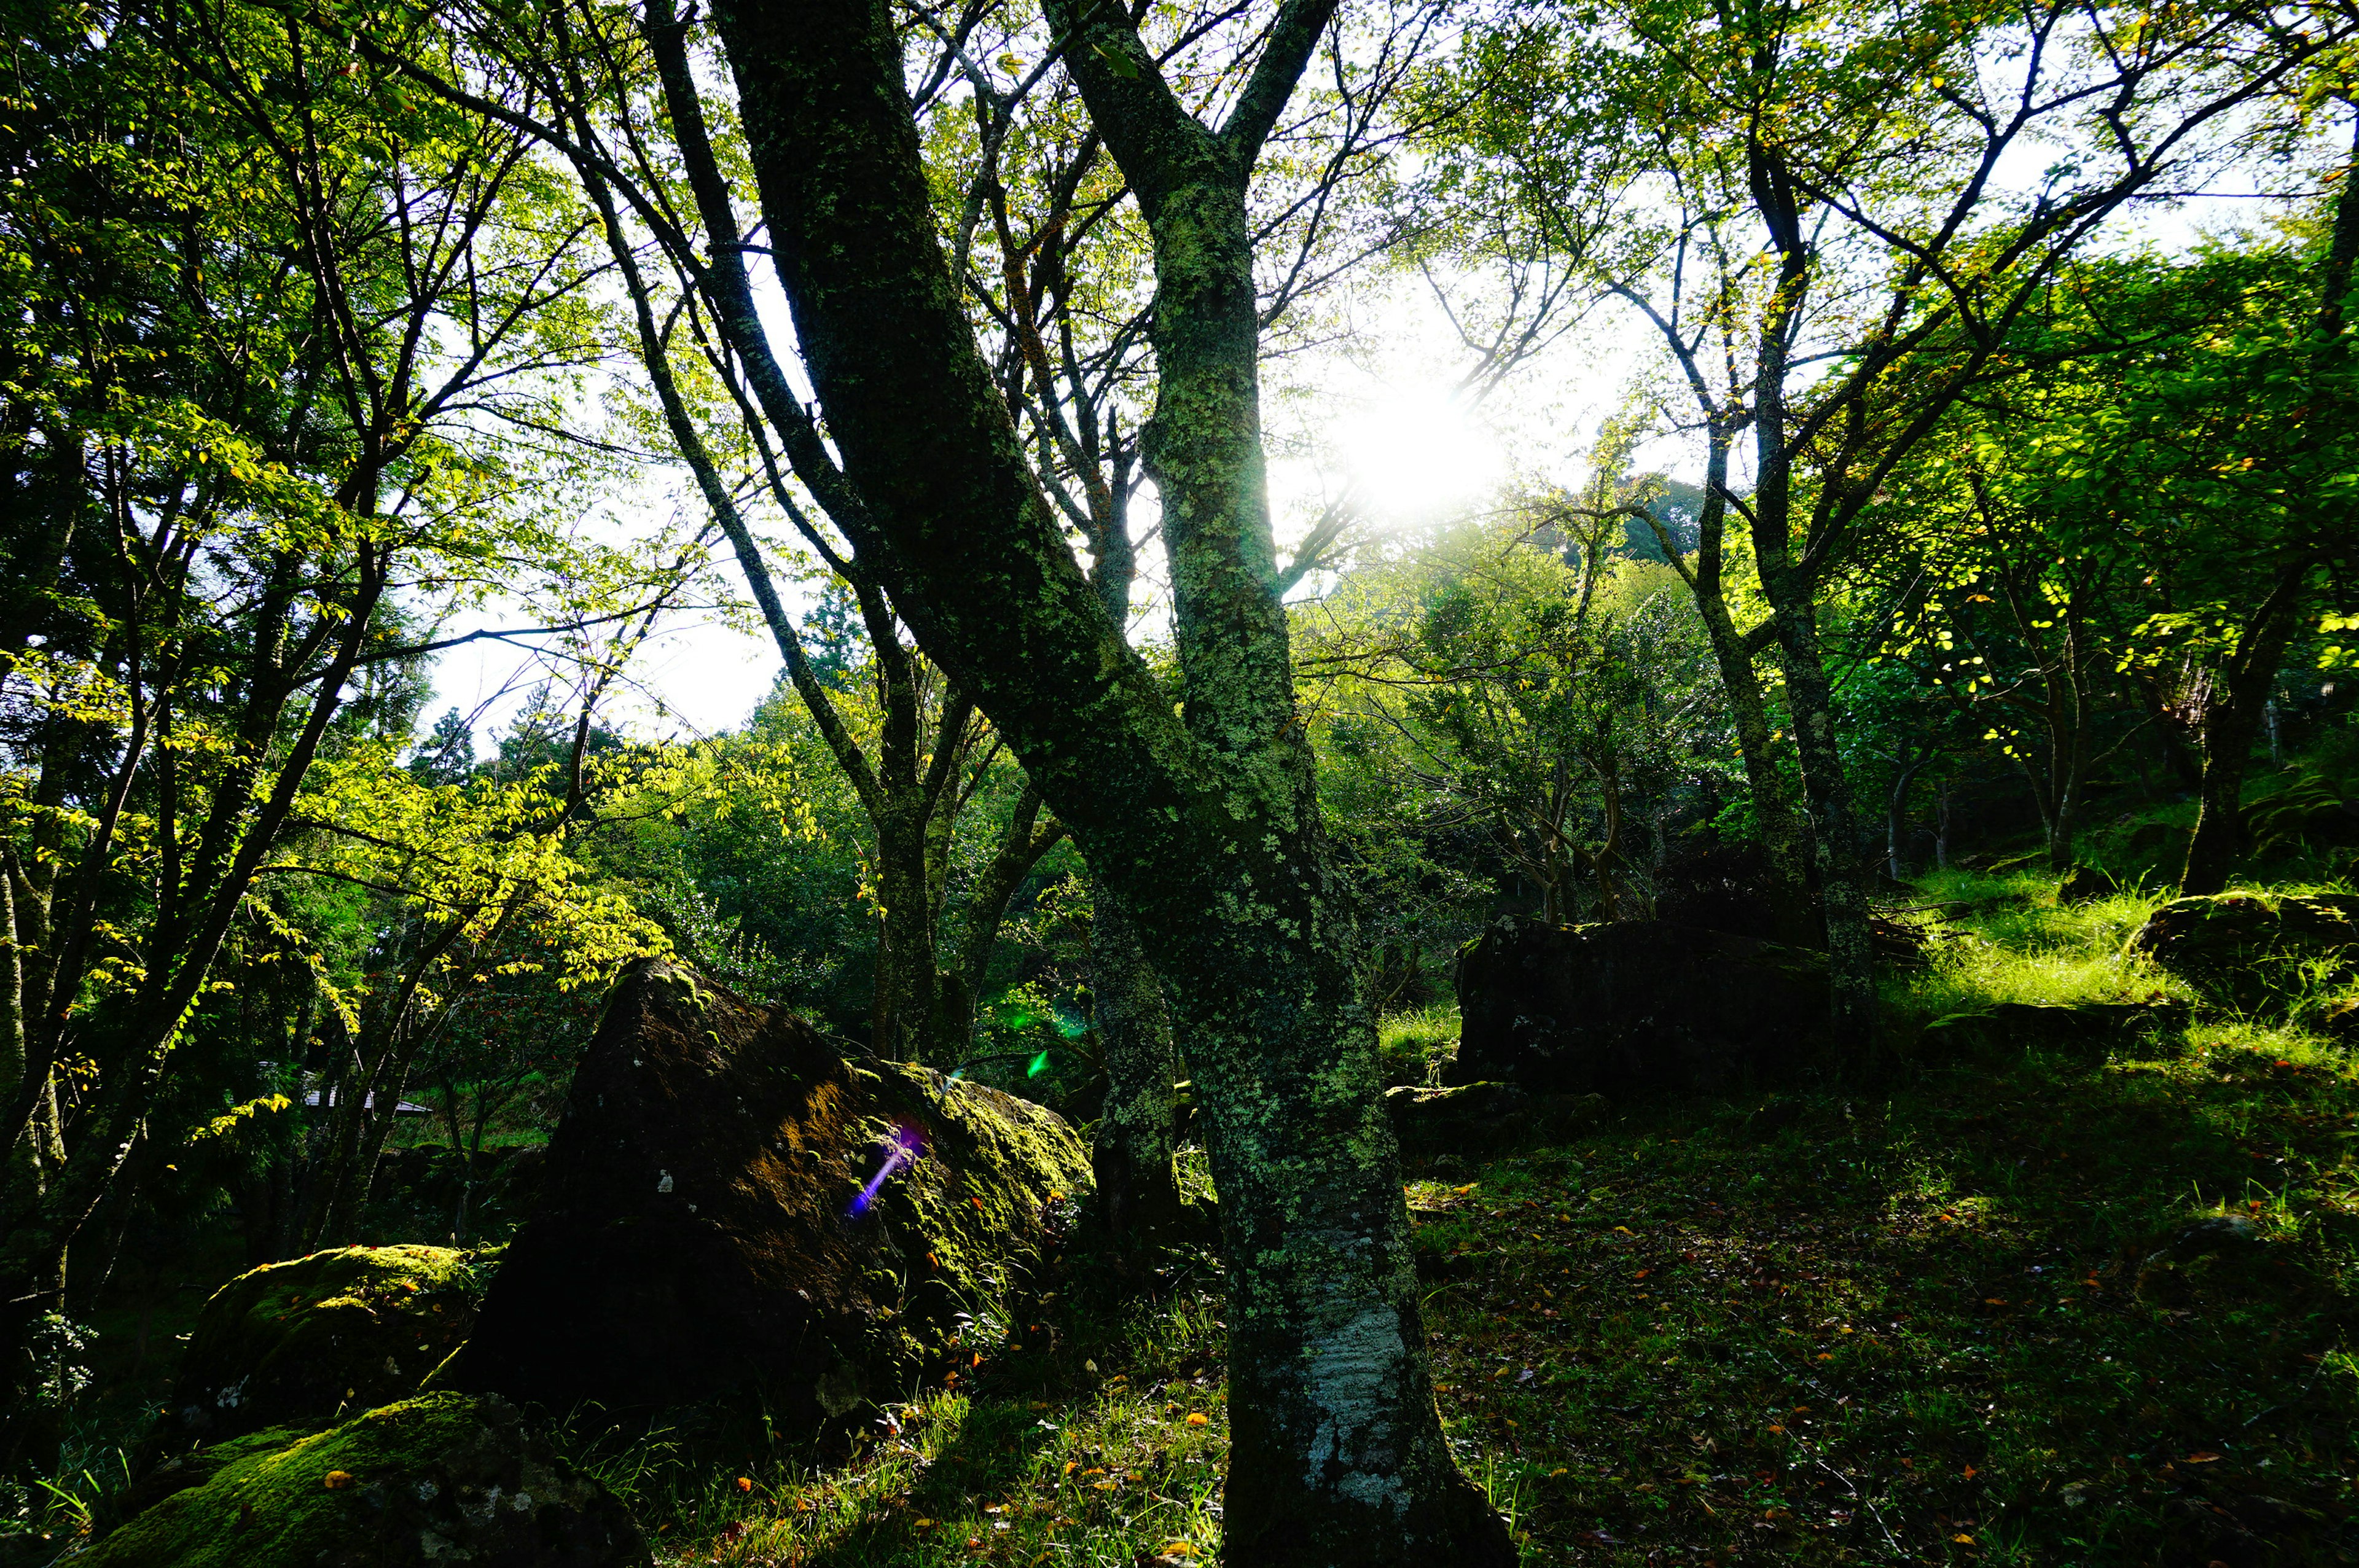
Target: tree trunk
2230,724
1138,1193
1788,586
1206,826
1896,822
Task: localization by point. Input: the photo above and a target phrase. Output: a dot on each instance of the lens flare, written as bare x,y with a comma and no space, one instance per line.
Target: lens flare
1039,1066
905,1144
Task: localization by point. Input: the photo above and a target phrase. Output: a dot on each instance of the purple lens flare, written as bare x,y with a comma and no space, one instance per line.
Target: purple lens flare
905,1144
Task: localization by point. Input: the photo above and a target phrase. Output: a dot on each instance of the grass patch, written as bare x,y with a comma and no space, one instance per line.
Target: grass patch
1412,1046
2005,939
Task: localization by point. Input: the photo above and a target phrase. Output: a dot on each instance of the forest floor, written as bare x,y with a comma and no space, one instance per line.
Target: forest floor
1911,1317
1916,1323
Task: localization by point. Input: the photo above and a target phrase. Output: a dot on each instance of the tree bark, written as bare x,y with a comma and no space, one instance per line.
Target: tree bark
2230,724
1137,1188
1788,586
1206,826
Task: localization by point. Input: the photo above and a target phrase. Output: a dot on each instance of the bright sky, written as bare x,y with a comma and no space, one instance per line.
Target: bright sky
1381,415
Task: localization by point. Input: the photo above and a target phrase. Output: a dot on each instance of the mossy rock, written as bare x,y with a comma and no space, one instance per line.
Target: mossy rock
699,1234
301,1341
440,1479
2249,948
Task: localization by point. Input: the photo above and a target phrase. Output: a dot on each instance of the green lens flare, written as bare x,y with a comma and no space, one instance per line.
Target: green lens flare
1039,1066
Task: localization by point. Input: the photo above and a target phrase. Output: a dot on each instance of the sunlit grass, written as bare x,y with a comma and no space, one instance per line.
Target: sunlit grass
1411,1046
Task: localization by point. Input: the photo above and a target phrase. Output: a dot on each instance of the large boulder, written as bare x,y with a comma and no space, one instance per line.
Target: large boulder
297,1342
729,1204
2243,946
440,1479
1634,1006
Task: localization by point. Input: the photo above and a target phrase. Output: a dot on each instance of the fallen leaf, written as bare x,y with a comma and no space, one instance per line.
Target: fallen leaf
2205,1457
1198,1417
744,1483
1963,1540
337,1480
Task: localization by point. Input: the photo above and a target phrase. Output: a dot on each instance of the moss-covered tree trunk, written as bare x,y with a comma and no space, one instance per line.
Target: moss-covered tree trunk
1206,826
1137,1190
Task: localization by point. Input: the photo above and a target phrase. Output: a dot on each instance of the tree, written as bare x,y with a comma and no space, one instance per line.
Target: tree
1832,258
1205,824
288,342
1532,683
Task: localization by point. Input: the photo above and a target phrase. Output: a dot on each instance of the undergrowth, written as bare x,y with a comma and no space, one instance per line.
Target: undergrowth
1917,1323
1931,1320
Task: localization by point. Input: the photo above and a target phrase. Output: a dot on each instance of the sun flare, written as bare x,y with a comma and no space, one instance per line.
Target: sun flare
1415,454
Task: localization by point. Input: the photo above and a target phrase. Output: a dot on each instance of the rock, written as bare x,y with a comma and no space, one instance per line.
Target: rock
729,1204
440,1479
2222,1255
1634,1006
2018,1026
1483,1116
296,1342
2238,945
2209,1238
2086,884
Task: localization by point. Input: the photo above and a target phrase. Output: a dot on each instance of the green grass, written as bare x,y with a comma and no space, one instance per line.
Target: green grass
2005,939
1411,1046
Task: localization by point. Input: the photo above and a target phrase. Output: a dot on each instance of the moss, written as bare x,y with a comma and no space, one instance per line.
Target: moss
299,1341
2251,947
971,1213
703,1230
442,1479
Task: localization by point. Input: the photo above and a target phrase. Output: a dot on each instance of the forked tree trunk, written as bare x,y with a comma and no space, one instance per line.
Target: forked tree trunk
1206,827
